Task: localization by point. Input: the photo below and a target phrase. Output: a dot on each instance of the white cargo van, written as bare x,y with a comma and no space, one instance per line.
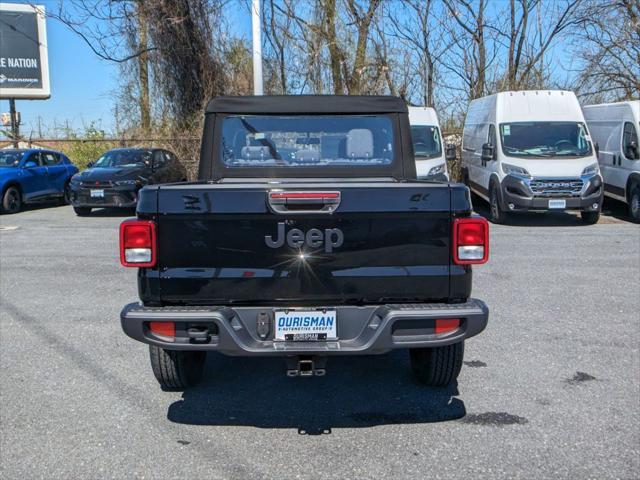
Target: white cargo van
530,151
614,128
428,149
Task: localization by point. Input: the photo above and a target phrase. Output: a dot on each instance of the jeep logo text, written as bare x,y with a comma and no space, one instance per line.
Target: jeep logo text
331,238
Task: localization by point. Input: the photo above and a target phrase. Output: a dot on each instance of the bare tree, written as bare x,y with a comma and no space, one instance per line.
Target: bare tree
143,68
115,32
188,69
528,45
470,19
347,60
608,44
277,26
413,25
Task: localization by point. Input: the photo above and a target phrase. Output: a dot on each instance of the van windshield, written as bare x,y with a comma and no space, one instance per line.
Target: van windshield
307,141
426,141
545,139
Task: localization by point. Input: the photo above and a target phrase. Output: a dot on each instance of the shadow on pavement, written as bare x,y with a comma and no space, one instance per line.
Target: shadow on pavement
30,207
356,392
98,212
113,212
616,209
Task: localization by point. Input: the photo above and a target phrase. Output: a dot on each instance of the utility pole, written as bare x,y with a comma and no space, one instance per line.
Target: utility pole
15,126
256,24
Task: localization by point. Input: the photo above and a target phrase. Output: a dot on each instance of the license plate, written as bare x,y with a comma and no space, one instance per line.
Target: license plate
97,193
557,204
305,325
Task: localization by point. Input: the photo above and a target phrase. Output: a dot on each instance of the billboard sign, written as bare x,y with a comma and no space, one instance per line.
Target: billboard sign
24,64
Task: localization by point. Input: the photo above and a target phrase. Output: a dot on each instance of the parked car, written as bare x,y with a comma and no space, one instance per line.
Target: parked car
33,176
116,177
614,127
530,151
428,148
306,236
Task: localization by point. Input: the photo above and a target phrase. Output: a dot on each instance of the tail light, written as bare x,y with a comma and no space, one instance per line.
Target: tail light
138,243
470,241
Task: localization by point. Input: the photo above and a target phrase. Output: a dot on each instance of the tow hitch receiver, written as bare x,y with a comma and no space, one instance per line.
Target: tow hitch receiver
306,366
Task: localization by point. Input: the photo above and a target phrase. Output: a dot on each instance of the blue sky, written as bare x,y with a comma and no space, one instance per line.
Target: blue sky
81,83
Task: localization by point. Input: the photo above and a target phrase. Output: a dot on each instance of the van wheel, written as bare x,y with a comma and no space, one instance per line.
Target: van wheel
439,366
465,177
11,200
496,214
82,211
590,218
176,369
634,204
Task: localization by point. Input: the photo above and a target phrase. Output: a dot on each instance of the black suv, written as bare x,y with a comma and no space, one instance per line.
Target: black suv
116,177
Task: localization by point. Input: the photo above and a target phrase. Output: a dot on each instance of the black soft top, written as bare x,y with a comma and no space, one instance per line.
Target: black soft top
305,104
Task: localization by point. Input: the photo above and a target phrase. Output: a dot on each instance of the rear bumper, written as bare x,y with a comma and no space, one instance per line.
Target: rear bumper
517,196
366,330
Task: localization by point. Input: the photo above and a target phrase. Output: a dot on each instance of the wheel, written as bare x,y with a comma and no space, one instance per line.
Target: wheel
176,369
439,366
634,204
590,218
496,214
465,177
66,195
11,200
82,211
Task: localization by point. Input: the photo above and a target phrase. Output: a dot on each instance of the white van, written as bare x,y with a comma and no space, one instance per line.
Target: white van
428,148
614,128
530,151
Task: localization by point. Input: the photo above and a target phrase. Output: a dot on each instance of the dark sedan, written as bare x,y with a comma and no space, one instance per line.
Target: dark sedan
116,177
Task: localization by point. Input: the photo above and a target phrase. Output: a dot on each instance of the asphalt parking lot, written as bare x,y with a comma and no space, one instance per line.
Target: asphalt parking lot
550,390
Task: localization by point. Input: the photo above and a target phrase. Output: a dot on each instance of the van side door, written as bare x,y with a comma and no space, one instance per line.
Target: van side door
626,159
471,153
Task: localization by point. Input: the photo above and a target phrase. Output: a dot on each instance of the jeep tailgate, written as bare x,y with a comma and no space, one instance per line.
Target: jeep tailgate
224,244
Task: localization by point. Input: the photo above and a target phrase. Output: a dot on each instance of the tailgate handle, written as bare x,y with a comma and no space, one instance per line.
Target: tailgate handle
303,202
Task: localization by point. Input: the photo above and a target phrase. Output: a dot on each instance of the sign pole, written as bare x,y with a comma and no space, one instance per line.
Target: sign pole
256,24
15,128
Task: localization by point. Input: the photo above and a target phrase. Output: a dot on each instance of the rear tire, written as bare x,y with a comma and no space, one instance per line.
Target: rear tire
11,200
496,214
82,211
66,195
439,366
465,177
176,370
634,204
590,218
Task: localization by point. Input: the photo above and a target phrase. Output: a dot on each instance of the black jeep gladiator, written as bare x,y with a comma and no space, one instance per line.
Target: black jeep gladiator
306,236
